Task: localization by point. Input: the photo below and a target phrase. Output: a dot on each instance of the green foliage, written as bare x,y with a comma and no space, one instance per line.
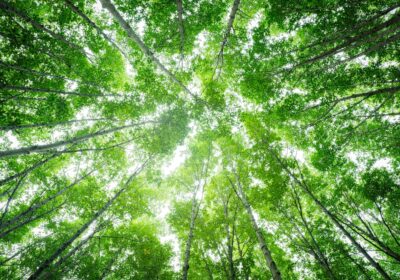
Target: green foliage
221,139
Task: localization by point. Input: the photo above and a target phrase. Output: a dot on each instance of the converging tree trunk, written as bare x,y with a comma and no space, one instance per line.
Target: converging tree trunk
276,274
48,147
49,260
332,217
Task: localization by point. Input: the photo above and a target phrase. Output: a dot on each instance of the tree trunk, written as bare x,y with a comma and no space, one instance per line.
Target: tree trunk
350,40
45,90
43,74
276,275
47,147
92,24
23,126
26,171
110,7
181,27
232,16
344,33
229,242
6,7
322,257
333,218
35,206
47,263
31,219
10,198
193,216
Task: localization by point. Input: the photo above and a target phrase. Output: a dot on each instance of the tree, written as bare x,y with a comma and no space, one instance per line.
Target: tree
266,134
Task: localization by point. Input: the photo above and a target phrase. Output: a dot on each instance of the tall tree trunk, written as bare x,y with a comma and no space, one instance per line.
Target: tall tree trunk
181,27
35,206
333,218
310,248
391,90
276,274
24,126
193,216
43,74
48,147
45,90
10,198
92,24
232,15
246,269
229,27
350,40
110,7
26,171
342,34
229,241
322,257
371,238
29,220
6,7
47,263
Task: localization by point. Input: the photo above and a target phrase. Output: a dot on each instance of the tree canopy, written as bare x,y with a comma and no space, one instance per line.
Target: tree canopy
198,139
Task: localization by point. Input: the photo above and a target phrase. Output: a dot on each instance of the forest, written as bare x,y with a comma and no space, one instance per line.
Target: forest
200,139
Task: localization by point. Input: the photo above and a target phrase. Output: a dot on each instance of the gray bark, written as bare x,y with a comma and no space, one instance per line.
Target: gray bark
37,205
45,90
26,171
48,147
6,7
117,16
23,126
350,40
276,275
92,24
181,27
48,262
333,218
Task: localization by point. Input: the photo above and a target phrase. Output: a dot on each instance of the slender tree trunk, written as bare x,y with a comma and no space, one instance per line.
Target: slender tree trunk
26,171
353,260
372,239
209,271
107,270
92,24
333,218
229,242
350,40
311,248
391,90
29,220
48,147
181,27
276,275
344,33
229,27
23,126
45,90
43,74
322,257
49,274
110,7
10,198
6,7
386,224
35,206
232,16
48,262
193,216
373,48
246,269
